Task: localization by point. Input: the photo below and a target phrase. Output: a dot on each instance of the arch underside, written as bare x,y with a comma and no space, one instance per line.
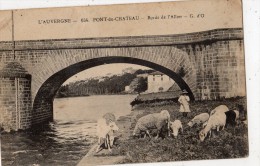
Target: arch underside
43,101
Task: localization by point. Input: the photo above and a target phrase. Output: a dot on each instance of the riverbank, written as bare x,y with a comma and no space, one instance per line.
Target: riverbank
155,98
90,95
230,143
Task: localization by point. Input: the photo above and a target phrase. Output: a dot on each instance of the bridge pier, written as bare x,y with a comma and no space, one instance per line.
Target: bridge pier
15,97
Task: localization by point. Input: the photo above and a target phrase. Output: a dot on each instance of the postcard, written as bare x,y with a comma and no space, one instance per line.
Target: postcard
123,84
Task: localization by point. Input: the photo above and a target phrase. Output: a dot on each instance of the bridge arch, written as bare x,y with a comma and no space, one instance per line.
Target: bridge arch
170,57
43,100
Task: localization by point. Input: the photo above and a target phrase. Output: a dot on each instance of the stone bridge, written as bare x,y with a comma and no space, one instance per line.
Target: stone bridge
32,71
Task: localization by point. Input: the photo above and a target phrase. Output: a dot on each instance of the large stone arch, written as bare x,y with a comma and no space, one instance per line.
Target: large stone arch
63,64
167,56
213,61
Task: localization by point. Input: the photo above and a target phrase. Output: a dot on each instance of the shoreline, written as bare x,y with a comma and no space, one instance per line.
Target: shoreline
126,147
96,95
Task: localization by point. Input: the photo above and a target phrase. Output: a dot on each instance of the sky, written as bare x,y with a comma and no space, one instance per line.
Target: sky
103,70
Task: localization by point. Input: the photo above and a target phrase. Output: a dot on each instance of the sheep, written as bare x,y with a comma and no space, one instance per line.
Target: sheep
204,124
218,109
103,130
176,126
231,118
215,122
237,114
201,118
152,121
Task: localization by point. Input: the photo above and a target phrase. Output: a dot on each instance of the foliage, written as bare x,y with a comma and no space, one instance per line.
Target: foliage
140,71
114,84
139,84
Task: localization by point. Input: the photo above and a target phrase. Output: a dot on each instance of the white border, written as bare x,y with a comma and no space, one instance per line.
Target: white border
251,16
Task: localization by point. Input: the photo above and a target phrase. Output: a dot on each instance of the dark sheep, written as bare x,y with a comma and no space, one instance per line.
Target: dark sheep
231,118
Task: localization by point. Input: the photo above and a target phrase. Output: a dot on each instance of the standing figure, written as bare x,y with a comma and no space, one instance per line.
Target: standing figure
184,101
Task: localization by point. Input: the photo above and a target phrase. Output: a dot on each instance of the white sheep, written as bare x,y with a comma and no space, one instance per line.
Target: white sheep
237,114
152,121
103,131
215,122
204,124
199,119
229,117
176,126
219,109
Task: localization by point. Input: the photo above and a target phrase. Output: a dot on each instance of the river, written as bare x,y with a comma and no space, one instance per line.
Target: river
66,140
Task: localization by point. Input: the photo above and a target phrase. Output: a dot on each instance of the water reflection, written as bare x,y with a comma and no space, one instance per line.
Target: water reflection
66,140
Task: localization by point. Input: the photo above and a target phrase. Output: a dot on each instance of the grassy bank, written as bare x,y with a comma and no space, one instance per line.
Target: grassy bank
230,143
151,98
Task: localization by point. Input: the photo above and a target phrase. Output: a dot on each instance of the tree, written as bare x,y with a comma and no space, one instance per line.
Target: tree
113,84
142,85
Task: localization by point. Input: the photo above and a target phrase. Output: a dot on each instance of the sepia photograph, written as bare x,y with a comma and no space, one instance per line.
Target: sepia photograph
123,84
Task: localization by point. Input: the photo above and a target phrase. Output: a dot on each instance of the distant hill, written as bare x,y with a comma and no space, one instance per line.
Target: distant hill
114,84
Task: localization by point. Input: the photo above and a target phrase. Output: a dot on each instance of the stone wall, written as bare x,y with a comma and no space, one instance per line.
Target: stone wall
220,69
24,102
8,114
15,97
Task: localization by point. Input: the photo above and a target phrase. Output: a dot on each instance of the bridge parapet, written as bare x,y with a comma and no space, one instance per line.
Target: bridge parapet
196,37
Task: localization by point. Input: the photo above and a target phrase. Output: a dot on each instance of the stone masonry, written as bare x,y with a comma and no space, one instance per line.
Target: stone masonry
15,97
213,62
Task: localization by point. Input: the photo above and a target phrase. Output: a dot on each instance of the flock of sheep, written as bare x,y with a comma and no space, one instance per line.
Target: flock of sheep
217,120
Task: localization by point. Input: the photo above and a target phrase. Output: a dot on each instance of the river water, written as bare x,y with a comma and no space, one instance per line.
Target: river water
66,140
